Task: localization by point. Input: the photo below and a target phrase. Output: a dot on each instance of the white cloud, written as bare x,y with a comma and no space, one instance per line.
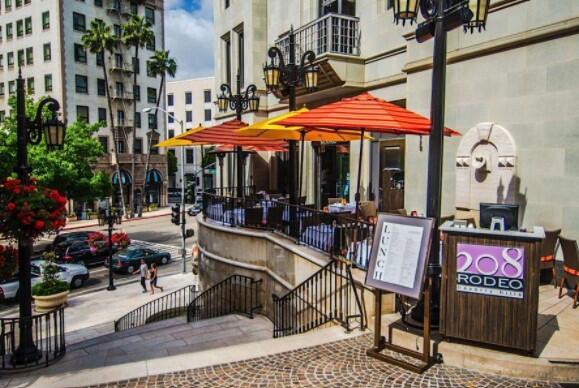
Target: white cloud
189,36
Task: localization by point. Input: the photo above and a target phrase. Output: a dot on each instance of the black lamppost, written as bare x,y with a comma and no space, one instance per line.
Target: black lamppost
440,16
111,219
31,132
241,101
285,78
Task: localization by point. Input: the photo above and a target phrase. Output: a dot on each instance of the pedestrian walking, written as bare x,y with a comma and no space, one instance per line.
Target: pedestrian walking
143,270
153,279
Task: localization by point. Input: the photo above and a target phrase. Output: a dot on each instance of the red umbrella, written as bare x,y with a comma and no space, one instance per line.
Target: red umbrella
364,113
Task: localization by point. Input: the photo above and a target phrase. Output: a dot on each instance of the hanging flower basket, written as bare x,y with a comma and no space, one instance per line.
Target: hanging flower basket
121,240
29,211
95,240
8,261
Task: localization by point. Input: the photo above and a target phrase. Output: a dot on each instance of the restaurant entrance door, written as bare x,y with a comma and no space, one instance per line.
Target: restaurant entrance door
334,172
391,174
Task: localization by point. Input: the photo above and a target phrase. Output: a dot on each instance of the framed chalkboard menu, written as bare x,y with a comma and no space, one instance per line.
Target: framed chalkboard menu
399,254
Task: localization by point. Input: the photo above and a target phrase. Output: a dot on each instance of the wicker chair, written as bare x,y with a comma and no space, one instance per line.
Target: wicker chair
570,266
367,210
548,249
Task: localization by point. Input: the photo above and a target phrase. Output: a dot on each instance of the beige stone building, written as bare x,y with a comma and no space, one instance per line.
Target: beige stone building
43,37
512,92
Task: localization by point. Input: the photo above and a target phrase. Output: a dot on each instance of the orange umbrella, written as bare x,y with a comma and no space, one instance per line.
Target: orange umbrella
362,113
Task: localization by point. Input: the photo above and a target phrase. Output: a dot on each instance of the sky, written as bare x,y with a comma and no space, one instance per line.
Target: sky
189,36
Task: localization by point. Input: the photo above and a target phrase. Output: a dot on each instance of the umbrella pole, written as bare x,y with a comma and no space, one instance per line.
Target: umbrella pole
302,138
357,197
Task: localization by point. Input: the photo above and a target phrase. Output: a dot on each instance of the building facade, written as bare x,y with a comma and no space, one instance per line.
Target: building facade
511,92
44,39
191,102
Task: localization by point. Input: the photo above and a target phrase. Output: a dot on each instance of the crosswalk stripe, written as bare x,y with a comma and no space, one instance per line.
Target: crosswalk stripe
173,250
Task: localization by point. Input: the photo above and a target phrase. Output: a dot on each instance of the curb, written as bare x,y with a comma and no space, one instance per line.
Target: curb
127,220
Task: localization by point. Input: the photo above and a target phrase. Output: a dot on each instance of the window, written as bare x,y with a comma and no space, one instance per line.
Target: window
152,95
98,3
48,82
100,59
30,85
118,60
207,95
28,25
1,89
240,55
104,140
117,30
10,59
150,15
82,113
227,3
154,150
138,146
20,57
120,117
189,158
137,120
79,53
152,121
134,7
9,31
227,58
136,66
171,133
102,112
78,22
101,87
344,7
47,51
189,116
8,4
29,56
11,87
188,98
119,89
170,100
46,20
170,119
81,84
121,149
151,44
2,116
137,92
150,70
1,62
207,114
19,28
0,33
18,3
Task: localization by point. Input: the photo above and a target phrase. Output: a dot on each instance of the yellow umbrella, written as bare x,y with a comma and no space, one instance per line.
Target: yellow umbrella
270,130
178,140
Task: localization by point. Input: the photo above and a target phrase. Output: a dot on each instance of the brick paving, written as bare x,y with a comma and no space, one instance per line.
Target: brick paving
338,364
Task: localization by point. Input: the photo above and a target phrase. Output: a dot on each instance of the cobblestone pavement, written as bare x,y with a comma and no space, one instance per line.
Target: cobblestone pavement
339,364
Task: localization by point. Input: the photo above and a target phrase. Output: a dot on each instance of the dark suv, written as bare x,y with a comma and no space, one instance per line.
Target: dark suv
62,241
80,252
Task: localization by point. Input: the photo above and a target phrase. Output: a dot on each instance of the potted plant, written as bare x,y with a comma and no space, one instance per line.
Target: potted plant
51,293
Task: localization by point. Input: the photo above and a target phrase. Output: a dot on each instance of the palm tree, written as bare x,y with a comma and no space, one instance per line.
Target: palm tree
159,64
137,33
99,39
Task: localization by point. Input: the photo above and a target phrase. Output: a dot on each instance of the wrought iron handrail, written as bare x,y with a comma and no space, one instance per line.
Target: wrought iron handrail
232,190
336,234
166,307
48,336
332,33
237,294
328,295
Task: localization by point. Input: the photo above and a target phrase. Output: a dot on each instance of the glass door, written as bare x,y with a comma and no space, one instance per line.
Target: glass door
392,174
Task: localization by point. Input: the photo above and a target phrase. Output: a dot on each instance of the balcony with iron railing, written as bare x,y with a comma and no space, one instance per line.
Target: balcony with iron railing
115,65
119,7
121,95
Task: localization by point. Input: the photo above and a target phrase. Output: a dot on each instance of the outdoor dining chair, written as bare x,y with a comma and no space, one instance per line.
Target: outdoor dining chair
548,249
253,216
570,267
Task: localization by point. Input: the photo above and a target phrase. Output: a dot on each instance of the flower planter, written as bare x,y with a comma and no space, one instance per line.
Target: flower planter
43,304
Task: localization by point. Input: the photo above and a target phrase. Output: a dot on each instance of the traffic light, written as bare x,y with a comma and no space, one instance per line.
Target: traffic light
176,214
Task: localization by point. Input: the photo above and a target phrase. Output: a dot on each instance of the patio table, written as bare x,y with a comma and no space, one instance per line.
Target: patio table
359,253
215,212
234,217
319,236
339,208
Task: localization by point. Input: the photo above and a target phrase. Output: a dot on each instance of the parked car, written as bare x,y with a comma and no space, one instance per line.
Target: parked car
194,210
80,252
129,259
64,240
74,274
9,287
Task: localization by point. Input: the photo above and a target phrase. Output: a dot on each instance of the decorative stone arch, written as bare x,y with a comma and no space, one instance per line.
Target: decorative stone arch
486,162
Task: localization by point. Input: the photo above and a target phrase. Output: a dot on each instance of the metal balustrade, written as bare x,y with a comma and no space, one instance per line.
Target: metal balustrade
329,295
168,306
237,294
337,234
47,333
330,34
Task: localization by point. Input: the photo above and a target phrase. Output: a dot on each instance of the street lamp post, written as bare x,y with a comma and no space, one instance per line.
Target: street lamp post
285,77
440,16
111,219
31,132
182,177
241,101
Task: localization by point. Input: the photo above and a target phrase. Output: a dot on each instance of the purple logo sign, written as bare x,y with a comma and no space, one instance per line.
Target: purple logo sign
490,270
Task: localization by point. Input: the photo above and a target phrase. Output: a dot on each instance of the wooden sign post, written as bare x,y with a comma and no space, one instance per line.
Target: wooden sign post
398,264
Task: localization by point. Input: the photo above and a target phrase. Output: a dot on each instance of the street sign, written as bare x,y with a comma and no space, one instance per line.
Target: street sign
174,195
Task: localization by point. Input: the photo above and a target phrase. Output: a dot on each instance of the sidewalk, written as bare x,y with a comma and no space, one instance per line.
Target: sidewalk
72,225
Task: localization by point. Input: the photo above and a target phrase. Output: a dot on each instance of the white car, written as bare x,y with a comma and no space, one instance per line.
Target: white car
9,287
73,274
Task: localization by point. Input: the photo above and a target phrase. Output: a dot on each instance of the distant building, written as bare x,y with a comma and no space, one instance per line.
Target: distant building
43,37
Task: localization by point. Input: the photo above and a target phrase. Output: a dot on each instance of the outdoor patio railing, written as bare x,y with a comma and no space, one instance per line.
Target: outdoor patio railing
231,191
337,234
166,307
47,334
332,33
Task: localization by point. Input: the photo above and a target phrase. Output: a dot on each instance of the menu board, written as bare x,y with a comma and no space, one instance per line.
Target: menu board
399,254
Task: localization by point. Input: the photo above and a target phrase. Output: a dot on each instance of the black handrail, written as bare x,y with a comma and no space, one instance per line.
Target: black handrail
338,235
48,336
166,307
237,294
328,295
